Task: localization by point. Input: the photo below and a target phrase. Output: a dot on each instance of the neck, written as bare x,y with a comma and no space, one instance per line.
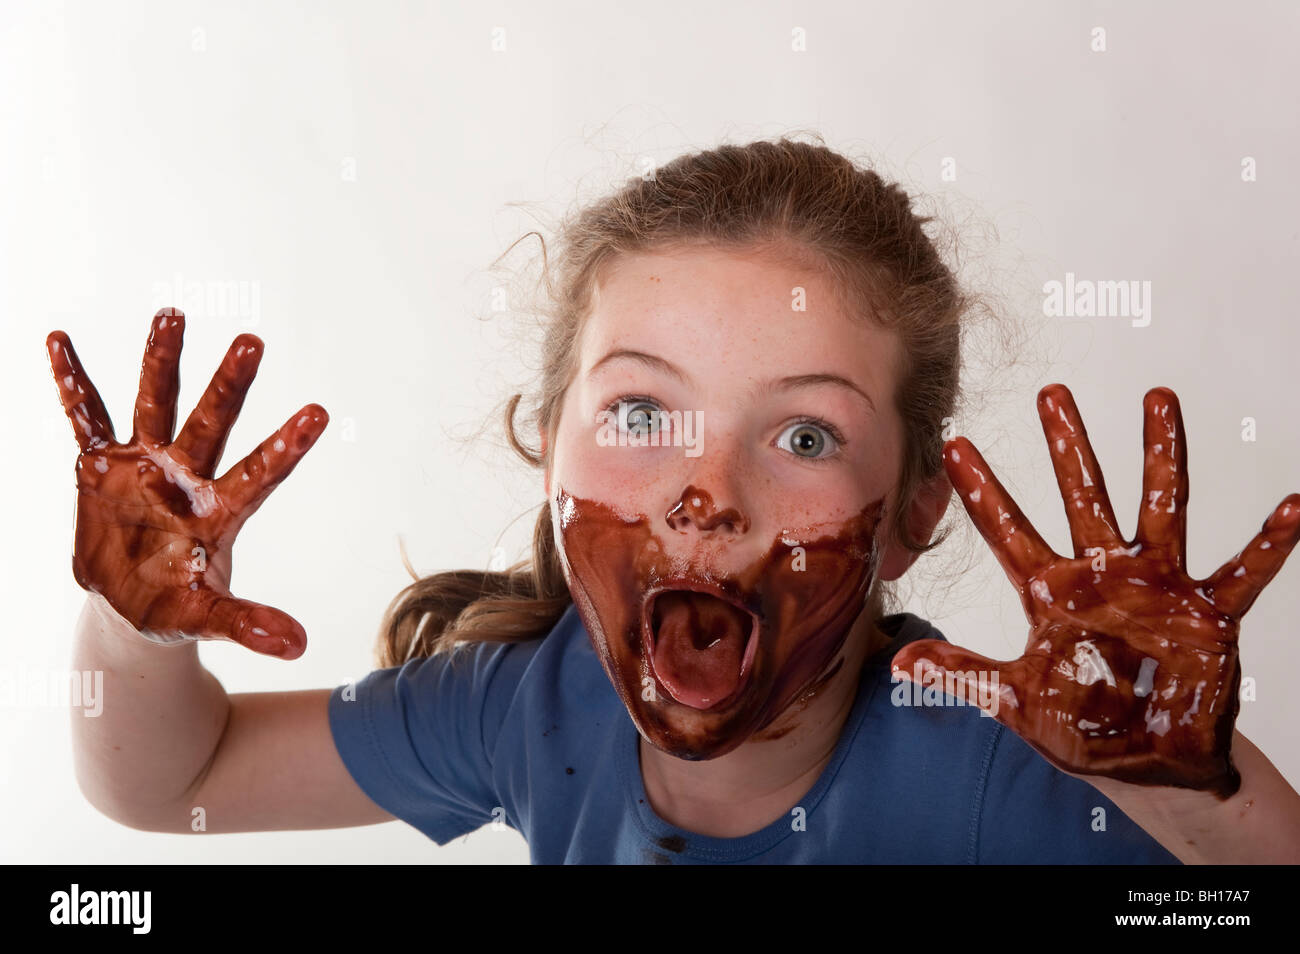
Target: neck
764,778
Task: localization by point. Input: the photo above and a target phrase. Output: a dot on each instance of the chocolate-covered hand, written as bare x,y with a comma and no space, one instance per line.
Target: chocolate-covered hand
1131,669
154,529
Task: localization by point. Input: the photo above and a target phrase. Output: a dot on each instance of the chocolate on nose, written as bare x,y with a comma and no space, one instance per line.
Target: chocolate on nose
695,506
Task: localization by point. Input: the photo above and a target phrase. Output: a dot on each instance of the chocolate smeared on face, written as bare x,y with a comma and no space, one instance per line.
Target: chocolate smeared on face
701,658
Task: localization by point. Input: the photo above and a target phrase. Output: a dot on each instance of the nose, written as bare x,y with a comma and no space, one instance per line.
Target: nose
695,507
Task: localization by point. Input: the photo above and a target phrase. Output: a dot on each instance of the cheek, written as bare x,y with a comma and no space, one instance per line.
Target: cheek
612,474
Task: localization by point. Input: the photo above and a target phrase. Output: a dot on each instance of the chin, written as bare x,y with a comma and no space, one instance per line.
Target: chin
684,723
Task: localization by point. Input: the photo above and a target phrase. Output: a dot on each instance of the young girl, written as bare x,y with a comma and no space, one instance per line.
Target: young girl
747,375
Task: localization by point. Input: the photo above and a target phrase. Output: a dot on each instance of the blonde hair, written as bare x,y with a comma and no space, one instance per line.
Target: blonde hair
772,194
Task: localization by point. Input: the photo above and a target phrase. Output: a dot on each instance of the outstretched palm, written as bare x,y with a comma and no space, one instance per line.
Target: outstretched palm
154,528
1131,670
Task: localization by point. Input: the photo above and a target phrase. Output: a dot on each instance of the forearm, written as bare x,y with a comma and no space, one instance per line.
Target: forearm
161,719
1260,824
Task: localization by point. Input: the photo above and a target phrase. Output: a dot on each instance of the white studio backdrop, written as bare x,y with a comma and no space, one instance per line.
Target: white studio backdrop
347,170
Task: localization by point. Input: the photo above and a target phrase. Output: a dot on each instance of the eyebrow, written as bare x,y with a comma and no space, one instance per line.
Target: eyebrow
812,380
651,361
791,382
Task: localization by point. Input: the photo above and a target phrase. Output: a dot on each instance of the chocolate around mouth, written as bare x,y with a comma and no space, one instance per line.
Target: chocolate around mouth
701,662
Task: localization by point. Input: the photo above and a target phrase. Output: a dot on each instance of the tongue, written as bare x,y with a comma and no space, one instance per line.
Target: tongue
700,643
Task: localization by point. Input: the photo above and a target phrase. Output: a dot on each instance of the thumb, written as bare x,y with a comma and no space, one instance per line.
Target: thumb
958,673
206,613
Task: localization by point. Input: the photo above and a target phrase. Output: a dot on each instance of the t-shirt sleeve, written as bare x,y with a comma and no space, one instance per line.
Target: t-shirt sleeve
1033,813
414,739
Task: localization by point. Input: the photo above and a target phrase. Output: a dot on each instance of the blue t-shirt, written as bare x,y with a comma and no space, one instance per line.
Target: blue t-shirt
534,736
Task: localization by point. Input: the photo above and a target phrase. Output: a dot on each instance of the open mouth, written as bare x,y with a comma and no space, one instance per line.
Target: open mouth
700,643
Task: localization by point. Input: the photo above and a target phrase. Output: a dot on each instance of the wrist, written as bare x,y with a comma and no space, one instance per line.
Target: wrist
122,643
1259,823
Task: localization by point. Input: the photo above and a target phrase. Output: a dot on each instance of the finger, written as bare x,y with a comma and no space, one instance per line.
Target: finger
248,483
966,677
1087,505
81,401
1162,516
160,378
1014,541
205,613
1233,587
203,438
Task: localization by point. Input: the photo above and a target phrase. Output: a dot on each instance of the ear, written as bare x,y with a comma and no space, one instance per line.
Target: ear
927,509
541,436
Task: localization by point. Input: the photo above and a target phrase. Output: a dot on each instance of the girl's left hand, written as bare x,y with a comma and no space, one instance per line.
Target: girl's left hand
1131,670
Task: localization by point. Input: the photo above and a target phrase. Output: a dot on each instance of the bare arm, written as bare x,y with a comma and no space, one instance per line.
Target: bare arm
1259,824
169,740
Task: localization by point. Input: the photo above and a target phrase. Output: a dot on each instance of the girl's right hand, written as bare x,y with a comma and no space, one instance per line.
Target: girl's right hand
154,529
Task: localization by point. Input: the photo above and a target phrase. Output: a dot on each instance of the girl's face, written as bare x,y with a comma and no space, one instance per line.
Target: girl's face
720,481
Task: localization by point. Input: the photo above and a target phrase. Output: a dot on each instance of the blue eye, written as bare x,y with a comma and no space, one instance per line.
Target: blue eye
809,439
637,418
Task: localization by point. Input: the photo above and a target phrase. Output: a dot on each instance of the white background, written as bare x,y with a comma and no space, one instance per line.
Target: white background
142,142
